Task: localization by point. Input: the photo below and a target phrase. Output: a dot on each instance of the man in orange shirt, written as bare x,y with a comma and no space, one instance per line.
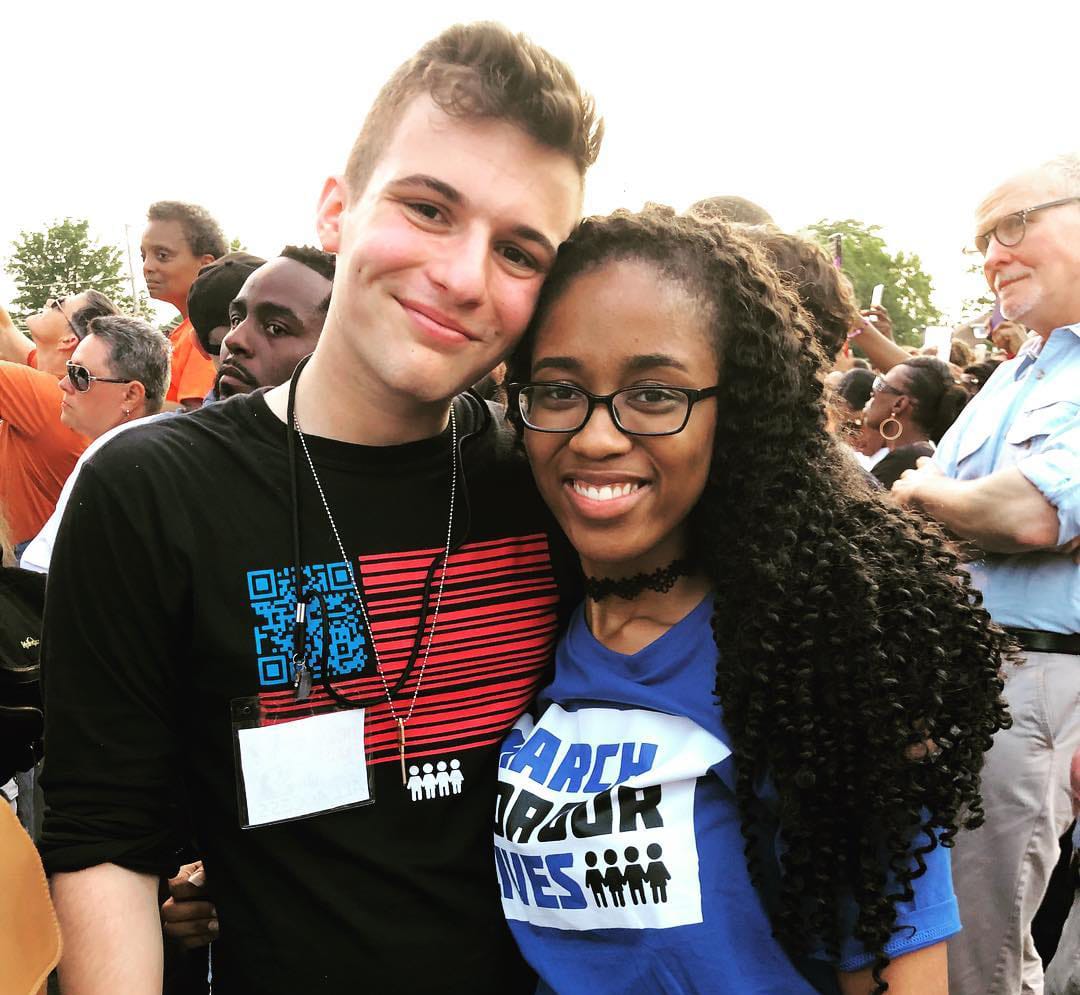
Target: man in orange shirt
179,240
53,337
37,452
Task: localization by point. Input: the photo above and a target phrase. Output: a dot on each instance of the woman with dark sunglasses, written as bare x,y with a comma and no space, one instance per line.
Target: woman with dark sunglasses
771,710
125,357
911,407
116,377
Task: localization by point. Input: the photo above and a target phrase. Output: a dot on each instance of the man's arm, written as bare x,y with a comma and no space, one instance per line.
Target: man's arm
112,936
14,346
111,644
1000,513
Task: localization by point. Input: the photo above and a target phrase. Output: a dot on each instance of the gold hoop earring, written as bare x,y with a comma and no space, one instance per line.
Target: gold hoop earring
899,429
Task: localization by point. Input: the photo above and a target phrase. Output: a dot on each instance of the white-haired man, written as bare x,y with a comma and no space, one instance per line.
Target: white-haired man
1007,477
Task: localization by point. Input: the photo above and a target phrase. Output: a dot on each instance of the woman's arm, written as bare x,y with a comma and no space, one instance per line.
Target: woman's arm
923,972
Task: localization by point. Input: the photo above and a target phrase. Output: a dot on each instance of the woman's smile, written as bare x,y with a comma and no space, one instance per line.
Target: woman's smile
604,500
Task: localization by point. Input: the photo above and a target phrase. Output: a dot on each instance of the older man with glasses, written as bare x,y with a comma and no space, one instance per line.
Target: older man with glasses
1006,477
38,451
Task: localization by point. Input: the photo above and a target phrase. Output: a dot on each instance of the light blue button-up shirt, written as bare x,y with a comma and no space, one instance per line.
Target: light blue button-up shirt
1028,416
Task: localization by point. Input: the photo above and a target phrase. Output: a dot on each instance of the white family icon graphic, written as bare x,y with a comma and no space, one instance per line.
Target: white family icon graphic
435,780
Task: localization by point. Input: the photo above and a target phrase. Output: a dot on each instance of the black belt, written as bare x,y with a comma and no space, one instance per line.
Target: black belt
1039,641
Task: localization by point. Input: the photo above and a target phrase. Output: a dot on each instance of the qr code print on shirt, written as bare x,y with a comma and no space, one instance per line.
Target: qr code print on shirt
273,600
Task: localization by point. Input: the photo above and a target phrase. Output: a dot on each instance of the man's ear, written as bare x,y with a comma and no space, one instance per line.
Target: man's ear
206,259
134,396
332,204
68,344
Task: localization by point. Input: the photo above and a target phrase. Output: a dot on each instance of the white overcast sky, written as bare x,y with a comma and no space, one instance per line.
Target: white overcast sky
901,115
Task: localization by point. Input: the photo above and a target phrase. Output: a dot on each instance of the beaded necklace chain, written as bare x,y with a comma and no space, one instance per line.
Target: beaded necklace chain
400,720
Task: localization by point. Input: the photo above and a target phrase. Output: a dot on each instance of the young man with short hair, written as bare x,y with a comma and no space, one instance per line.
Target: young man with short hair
296,720
275,320
179,240
210,296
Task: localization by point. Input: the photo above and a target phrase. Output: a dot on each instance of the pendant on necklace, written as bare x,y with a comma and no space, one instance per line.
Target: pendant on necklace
401,747
301,680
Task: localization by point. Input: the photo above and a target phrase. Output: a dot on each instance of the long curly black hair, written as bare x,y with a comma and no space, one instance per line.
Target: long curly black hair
857,671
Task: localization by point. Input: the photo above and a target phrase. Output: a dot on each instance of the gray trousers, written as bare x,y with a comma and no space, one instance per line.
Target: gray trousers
1000,870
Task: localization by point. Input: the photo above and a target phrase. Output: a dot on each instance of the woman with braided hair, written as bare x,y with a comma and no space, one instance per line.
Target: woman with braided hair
772,707
911,407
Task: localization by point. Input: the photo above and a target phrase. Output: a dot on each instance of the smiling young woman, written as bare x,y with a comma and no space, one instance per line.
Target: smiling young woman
623,499
772,660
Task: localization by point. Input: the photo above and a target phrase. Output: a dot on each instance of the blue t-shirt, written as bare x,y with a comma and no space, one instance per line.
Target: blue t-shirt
618,847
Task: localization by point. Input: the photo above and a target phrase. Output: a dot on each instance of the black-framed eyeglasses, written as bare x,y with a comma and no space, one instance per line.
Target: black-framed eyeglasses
57,303
645,409
1009,231
882,386
81,378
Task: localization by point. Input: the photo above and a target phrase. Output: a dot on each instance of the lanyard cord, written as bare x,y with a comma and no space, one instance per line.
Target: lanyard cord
300,668
301,671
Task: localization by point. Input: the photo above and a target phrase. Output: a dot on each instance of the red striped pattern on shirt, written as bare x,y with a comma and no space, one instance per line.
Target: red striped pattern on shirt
494,638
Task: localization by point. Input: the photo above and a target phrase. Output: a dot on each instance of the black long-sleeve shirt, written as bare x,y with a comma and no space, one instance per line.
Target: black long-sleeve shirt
171,595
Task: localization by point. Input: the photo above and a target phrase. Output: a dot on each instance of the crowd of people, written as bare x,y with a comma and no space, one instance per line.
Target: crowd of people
635,531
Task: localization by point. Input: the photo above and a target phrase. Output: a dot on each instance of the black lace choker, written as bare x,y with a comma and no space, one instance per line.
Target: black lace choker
662,579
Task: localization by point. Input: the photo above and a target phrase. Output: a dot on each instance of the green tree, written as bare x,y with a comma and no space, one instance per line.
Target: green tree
61,260
235,245
867,262
974,307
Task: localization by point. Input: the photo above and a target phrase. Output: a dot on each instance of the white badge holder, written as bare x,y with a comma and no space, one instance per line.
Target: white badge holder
310,765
